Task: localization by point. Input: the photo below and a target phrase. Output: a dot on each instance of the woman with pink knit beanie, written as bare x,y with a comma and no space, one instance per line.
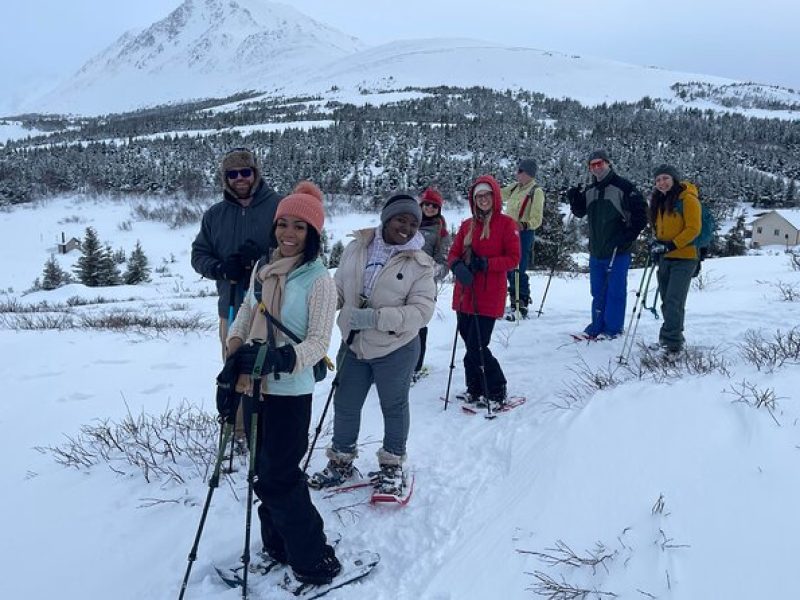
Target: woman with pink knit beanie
297,290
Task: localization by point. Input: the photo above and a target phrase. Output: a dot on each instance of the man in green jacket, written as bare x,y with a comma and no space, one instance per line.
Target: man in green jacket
524,202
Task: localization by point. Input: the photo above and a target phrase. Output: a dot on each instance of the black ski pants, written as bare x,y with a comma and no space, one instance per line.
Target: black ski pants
289,521
477,339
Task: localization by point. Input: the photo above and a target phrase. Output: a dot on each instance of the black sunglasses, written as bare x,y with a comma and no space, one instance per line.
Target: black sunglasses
429,204
236,173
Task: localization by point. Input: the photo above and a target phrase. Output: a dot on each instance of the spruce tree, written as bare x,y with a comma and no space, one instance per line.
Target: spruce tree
53,276
735,244
107,270
552,244
138,270
336,254
88,265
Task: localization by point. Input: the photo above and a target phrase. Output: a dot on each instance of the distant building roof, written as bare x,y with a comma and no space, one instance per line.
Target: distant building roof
791,215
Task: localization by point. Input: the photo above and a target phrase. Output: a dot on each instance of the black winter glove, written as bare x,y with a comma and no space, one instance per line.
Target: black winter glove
281,360
246,357
227,398
462,273
574,194
231,268
250,253
478,263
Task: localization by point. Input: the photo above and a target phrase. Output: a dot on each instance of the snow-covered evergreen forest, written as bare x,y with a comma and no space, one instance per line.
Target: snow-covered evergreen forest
445,135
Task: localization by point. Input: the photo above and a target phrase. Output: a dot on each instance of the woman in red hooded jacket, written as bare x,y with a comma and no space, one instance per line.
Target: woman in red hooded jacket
486,247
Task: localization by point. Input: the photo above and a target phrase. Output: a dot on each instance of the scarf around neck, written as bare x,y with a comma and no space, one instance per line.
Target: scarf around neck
273,283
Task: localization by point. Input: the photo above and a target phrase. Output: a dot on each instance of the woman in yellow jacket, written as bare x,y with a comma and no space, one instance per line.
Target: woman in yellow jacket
675,215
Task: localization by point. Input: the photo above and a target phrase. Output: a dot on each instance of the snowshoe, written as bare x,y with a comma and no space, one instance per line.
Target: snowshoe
353,568
333,475
323,572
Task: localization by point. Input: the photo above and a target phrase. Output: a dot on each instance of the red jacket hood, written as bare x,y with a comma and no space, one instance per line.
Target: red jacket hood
497,196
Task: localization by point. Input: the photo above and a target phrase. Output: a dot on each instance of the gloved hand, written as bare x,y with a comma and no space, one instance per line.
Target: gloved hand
478,263
245,358
250,253
462,273
227,398
281,360
363,318
658,249
574,194
231,268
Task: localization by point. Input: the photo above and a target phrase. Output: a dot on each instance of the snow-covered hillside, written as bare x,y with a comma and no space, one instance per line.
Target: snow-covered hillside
214,48
203,48
690,493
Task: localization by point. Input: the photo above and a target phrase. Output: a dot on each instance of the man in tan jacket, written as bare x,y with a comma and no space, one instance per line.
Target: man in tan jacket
524,202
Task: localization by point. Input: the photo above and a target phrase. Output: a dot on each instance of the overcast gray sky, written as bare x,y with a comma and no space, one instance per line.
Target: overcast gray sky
743,39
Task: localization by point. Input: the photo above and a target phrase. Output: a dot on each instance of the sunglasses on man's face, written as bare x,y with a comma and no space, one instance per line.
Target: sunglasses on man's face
236,173
596,164
429,205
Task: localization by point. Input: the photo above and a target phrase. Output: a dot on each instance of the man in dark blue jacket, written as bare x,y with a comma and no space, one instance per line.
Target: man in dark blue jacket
235,232
616,213
233,235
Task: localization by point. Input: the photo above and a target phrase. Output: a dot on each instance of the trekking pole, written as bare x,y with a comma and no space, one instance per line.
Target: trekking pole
318,430
231,316
653,308
621,358
251,472
452,366
517,313
635,308
226,429
555,262
484,382
626,347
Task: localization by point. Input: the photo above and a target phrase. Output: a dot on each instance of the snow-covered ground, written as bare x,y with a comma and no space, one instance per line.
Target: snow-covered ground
691,494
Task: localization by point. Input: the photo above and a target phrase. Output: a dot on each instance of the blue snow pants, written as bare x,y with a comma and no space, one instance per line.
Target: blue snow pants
609,290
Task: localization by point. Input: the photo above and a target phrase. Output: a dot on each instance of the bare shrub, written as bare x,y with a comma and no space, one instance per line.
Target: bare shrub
691,360
758,398
173,214
587,382
770,354
123,321
38,321
794,261
553,589
176,446
12,305
707,280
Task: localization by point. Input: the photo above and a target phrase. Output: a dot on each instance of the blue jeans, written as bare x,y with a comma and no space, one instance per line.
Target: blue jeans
391,375
609,290
526,243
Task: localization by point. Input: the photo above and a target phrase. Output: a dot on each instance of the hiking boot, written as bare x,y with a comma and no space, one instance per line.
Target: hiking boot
498,398
278,554
322,572
391,479
334,474
469,397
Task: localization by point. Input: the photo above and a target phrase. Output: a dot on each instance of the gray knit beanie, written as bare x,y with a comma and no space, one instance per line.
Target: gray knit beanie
599,154
666,169
400,204
527,165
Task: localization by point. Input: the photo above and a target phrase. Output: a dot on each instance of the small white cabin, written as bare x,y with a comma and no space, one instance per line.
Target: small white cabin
777,227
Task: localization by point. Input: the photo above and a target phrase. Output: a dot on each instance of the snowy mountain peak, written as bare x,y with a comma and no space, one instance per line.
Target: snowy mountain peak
202,48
